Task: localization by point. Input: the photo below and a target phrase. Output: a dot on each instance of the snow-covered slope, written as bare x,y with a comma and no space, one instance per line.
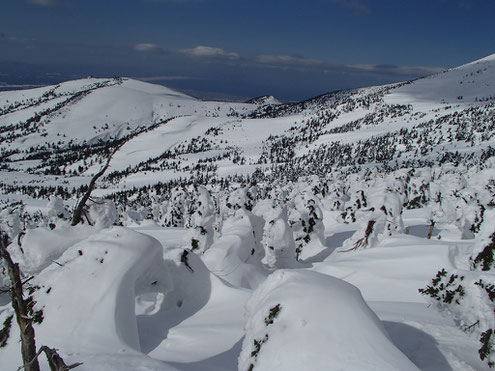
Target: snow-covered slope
470,83
68,129
240,222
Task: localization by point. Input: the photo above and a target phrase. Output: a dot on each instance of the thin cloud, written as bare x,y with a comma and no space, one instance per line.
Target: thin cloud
5,86
285,61
202,51
288,61
17,40
396,70
150,48
42,2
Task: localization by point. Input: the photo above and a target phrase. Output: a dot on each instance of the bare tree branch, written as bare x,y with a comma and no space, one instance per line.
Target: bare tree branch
79,210
363,242
55,362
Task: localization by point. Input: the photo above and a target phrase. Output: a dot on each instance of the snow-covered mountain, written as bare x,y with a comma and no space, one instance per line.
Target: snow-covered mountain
68,129
249,216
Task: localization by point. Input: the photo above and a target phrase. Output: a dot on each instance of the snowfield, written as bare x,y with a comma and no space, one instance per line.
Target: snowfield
350,231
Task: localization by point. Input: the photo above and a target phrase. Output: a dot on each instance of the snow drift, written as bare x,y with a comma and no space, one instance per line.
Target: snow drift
301,320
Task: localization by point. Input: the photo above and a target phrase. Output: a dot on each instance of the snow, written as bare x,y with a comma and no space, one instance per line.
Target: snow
459,85
193,319
193,306
338,330
99,320
41,246
268,273
235,256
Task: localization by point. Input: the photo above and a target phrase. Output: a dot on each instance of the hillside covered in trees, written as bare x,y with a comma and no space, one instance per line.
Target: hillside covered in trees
348,231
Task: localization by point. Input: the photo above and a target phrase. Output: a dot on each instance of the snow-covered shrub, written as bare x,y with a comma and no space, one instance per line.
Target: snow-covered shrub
102,213
335,197
10,221
277,241
417,188
175,208
238,199
132,217
459,198
200,235
469,294
381,218
357,200
305,219
57,209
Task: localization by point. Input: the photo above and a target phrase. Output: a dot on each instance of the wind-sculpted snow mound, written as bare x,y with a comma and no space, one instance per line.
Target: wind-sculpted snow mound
181,306
301,320
41,246
236,255
88,302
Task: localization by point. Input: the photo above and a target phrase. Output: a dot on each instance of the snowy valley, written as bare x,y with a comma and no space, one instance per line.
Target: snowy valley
350,231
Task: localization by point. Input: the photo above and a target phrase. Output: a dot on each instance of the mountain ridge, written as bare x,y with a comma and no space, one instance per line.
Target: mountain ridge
88,113
217,228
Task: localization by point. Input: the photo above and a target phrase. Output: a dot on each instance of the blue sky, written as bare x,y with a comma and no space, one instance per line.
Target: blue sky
238,48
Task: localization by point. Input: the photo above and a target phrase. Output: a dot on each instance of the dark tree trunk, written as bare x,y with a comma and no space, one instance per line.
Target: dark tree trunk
28,343
430,229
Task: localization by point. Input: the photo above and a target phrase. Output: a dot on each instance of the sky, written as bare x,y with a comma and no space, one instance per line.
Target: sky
239,49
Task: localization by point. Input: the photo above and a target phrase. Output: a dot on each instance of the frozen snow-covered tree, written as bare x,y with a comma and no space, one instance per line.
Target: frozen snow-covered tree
278,241
357,200
305,219
135,216
200,235
335,197
381,219
469,294
417,188
57,209
10,221
102,213
458,202
176,208
238,199
236,255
